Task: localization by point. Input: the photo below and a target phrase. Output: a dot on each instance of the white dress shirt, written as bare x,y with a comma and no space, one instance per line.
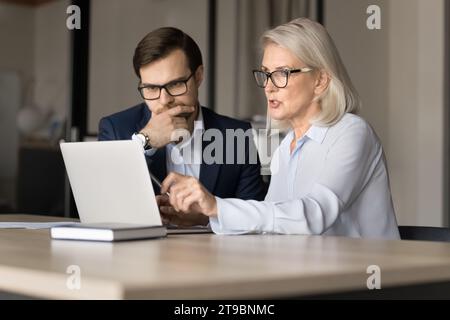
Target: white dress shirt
186,158
335,182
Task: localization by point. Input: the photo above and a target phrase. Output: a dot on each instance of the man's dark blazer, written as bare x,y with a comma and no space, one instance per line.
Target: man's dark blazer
224,180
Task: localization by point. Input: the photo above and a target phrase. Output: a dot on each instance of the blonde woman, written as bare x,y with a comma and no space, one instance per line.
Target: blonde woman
332,177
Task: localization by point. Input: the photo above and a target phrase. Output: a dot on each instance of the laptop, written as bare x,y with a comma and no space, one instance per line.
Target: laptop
111,183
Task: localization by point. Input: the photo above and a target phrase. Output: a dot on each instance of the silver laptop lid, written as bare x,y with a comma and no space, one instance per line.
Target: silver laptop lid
110,182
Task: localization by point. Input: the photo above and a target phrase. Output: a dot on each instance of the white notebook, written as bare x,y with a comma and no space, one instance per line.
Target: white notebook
107,232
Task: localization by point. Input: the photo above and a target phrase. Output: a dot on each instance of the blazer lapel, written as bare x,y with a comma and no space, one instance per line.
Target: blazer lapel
208,172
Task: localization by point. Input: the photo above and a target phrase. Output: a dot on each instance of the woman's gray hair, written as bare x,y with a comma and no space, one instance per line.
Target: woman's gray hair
311,43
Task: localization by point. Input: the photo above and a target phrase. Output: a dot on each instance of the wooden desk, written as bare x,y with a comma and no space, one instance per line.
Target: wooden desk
210,266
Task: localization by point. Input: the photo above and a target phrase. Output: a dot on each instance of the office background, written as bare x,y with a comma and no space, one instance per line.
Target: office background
400,71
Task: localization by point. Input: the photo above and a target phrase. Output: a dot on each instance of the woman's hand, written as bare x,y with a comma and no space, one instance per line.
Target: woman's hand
187,194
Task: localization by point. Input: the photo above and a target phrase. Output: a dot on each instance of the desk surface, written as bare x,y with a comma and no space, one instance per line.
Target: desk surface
209,266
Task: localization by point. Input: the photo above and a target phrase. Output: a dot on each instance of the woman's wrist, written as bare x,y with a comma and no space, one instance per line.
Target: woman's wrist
213,211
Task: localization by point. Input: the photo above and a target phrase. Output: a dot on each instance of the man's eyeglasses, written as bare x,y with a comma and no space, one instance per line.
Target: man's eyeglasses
173,88
278,77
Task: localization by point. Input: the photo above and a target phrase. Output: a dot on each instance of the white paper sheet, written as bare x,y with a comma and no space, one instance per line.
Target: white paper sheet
32,225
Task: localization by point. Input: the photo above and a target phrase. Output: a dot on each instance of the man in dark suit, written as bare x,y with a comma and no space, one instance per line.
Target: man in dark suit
169,65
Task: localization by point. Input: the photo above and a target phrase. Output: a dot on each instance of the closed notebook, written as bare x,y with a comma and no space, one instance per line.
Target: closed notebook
107,232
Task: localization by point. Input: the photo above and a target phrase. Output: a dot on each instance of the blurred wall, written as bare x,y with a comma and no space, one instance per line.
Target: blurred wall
52,57
17,39
16,66
35,49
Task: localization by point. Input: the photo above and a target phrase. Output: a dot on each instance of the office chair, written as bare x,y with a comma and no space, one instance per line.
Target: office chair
424,233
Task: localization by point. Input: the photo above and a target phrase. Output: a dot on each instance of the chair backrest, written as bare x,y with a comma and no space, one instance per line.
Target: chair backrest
424,233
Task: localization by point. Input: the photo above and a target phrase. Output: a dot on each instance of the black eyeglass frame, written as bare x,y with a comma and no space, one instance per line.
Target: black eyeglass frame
287,73
164,86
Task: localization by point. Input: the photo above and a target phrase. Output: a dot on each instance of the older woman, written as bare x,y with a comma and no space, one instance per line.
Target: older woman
332,177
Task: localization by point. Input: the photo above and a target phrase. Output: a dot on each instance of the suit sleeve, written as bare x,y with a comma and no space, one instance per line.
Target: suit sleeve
106,130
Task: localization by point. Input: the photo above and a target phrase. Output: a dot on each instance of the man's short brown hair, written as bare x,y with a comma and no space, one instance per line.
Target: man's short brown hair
160,43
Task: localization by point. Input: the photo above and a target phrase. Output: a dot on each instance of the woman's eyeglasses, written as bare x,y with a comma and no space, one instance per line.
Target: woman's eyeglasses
279,78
